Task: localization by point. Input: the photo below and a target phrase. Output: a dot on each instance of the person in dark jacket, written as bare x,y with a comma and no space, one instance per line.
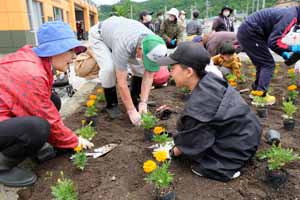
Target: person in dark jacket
146,19
263,30
159,20
194,26
224,22
217,130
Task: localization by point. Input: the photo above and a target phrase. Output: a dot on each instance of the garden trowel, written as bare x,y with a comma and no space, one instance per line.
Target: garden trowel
102,150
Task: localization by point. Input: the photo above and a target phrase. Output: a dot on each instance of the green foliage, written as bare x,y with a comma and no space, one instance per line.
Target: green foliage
289,108
277,157
64,190
160,177
80,160
259,101
91,111
161,139
101,97
243,78
185,90
86,131
292,95
231,77
123,8
148,120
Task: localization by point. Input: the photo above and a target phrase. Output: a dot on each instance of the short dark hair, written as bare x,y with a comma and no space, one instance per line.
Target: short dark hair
200,72
195,13
227,48
159,14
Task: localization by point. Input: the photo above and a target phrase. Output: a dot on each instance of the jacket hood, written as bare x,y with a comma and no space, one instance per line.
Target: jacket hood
214,99
23,54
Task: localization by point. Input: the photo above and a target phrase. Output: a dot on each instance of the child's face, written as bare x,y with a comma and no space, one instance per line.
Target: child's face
180,75
227,57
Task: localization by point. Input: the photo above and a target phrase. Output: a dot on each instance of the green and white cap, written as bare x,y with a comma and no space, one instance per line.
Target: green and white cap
154,48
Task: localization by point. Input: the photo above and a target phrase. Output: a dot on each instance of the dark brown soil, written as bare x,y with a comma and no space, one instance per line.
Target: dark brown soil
119,174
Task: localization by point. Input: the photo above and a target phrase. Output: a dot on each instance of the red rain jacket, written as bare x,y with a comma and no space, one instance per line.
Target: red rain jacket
25,90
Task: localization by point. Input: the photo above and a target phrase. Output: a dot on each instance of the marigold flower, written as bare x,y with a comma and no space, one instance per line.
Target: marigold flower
78,148
257,93
291,71
233,84
158,130
93,97
160,155
99,91
253,74
90,103
292,87
149,166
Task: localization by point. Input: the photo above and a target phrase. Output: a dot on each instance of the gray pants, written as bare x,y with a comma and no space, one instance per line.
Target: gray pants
103,57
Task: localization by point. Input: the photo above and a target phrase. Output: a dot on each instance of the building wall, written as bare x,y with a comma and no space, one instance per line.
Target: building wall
16,28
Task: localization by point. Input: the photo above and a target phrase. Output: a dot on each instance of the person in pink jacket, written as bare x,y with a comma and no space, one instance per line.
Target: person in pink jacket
29,114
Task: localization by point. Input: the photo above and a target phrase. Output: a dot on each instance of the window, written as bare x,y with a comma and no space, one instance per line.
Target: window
58,14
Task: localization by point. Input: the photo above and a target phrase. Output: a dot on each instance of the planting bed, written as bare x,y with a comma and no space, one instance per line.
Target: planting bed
119,174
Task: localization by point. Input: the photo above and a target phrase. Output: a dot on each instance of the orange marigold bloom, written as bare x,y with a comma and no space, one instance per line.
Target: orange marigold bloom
292,87
158,130
93,97
99,91
90,103
149,166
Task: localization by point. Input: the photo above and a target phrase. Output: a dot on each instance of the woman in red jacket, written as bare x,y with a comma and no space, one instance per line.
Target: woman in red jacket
28,115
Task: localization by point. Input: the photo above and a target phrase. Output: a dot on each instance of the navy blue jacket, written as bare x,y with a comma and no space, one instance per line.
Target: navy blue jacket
273,24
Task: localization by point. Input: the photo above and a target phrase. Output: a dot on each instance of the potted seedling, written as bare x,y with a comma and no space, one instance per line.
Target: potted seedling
91,112
79,159
292,93
100,95
87,131
231,78
161,178
64,189
148,123
277,157
289,110
261,107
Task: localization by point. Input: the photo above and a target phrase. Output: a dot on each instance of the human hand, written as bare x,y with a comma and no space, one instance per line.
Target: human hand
85,143
134,117
142,107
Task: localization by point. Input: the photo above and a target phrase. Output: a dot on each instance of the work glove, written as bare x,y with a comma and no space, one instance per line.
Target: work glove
142,107
286,55
135,117
295,48
85,143
297,67
173,42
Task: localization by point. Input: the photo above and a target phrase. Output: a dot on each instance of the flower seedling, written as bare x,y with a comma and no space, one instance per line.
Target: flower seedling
289,109
91,109
100,95
64,189
277,157
148,120
161,139
161,155
160,177
231,79
259,101
292,75
86,131
79,159
292,92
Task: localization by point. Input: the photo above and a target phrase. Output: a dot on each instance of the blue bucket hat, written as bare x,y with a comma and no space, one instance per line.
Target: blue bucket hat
55,38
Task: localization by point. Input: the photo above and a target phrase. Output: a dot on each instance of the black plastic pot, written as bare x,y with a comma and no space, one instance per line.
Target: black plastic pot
273,137
262,112
276,178
148,134
289,124
170,195
92,119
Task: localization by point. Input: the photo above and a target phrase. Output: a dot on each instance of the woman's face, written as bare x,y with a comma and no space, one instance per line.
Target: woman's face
172,18
61,61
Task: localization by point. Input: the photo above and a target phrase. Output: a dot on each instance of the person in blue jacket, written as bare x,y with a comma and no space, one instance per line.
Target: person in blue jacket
263,30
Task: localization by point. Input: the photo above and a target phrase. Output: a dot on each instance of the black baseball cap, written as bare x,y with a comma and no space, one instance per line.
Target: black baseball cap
190,54
144,13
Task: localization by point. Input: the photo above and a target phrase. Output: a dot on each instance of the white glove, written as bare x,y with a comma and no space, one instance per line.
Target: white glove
85,143
135,117
297,67
142,107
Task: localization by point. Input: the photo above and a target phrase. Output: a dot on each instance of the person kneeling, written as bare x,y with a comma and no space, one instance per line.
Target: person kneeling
217,131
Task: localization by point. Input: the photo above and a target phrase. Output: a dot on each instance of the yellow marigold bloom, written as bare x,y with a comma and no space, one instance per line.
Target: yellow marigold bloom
93,97
90,103
158,130
160,155
99,91
257,92
254,74
78,148
292,87
149,166
291,70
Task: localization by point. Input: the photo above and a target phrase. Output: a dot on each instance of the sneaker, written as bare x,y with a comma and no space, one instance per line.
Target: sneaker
235,175
113,112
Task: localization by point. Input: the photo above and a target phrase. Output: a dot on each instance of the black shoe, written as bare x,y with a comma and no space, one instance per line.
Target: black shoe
113,112
17,177
47,152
